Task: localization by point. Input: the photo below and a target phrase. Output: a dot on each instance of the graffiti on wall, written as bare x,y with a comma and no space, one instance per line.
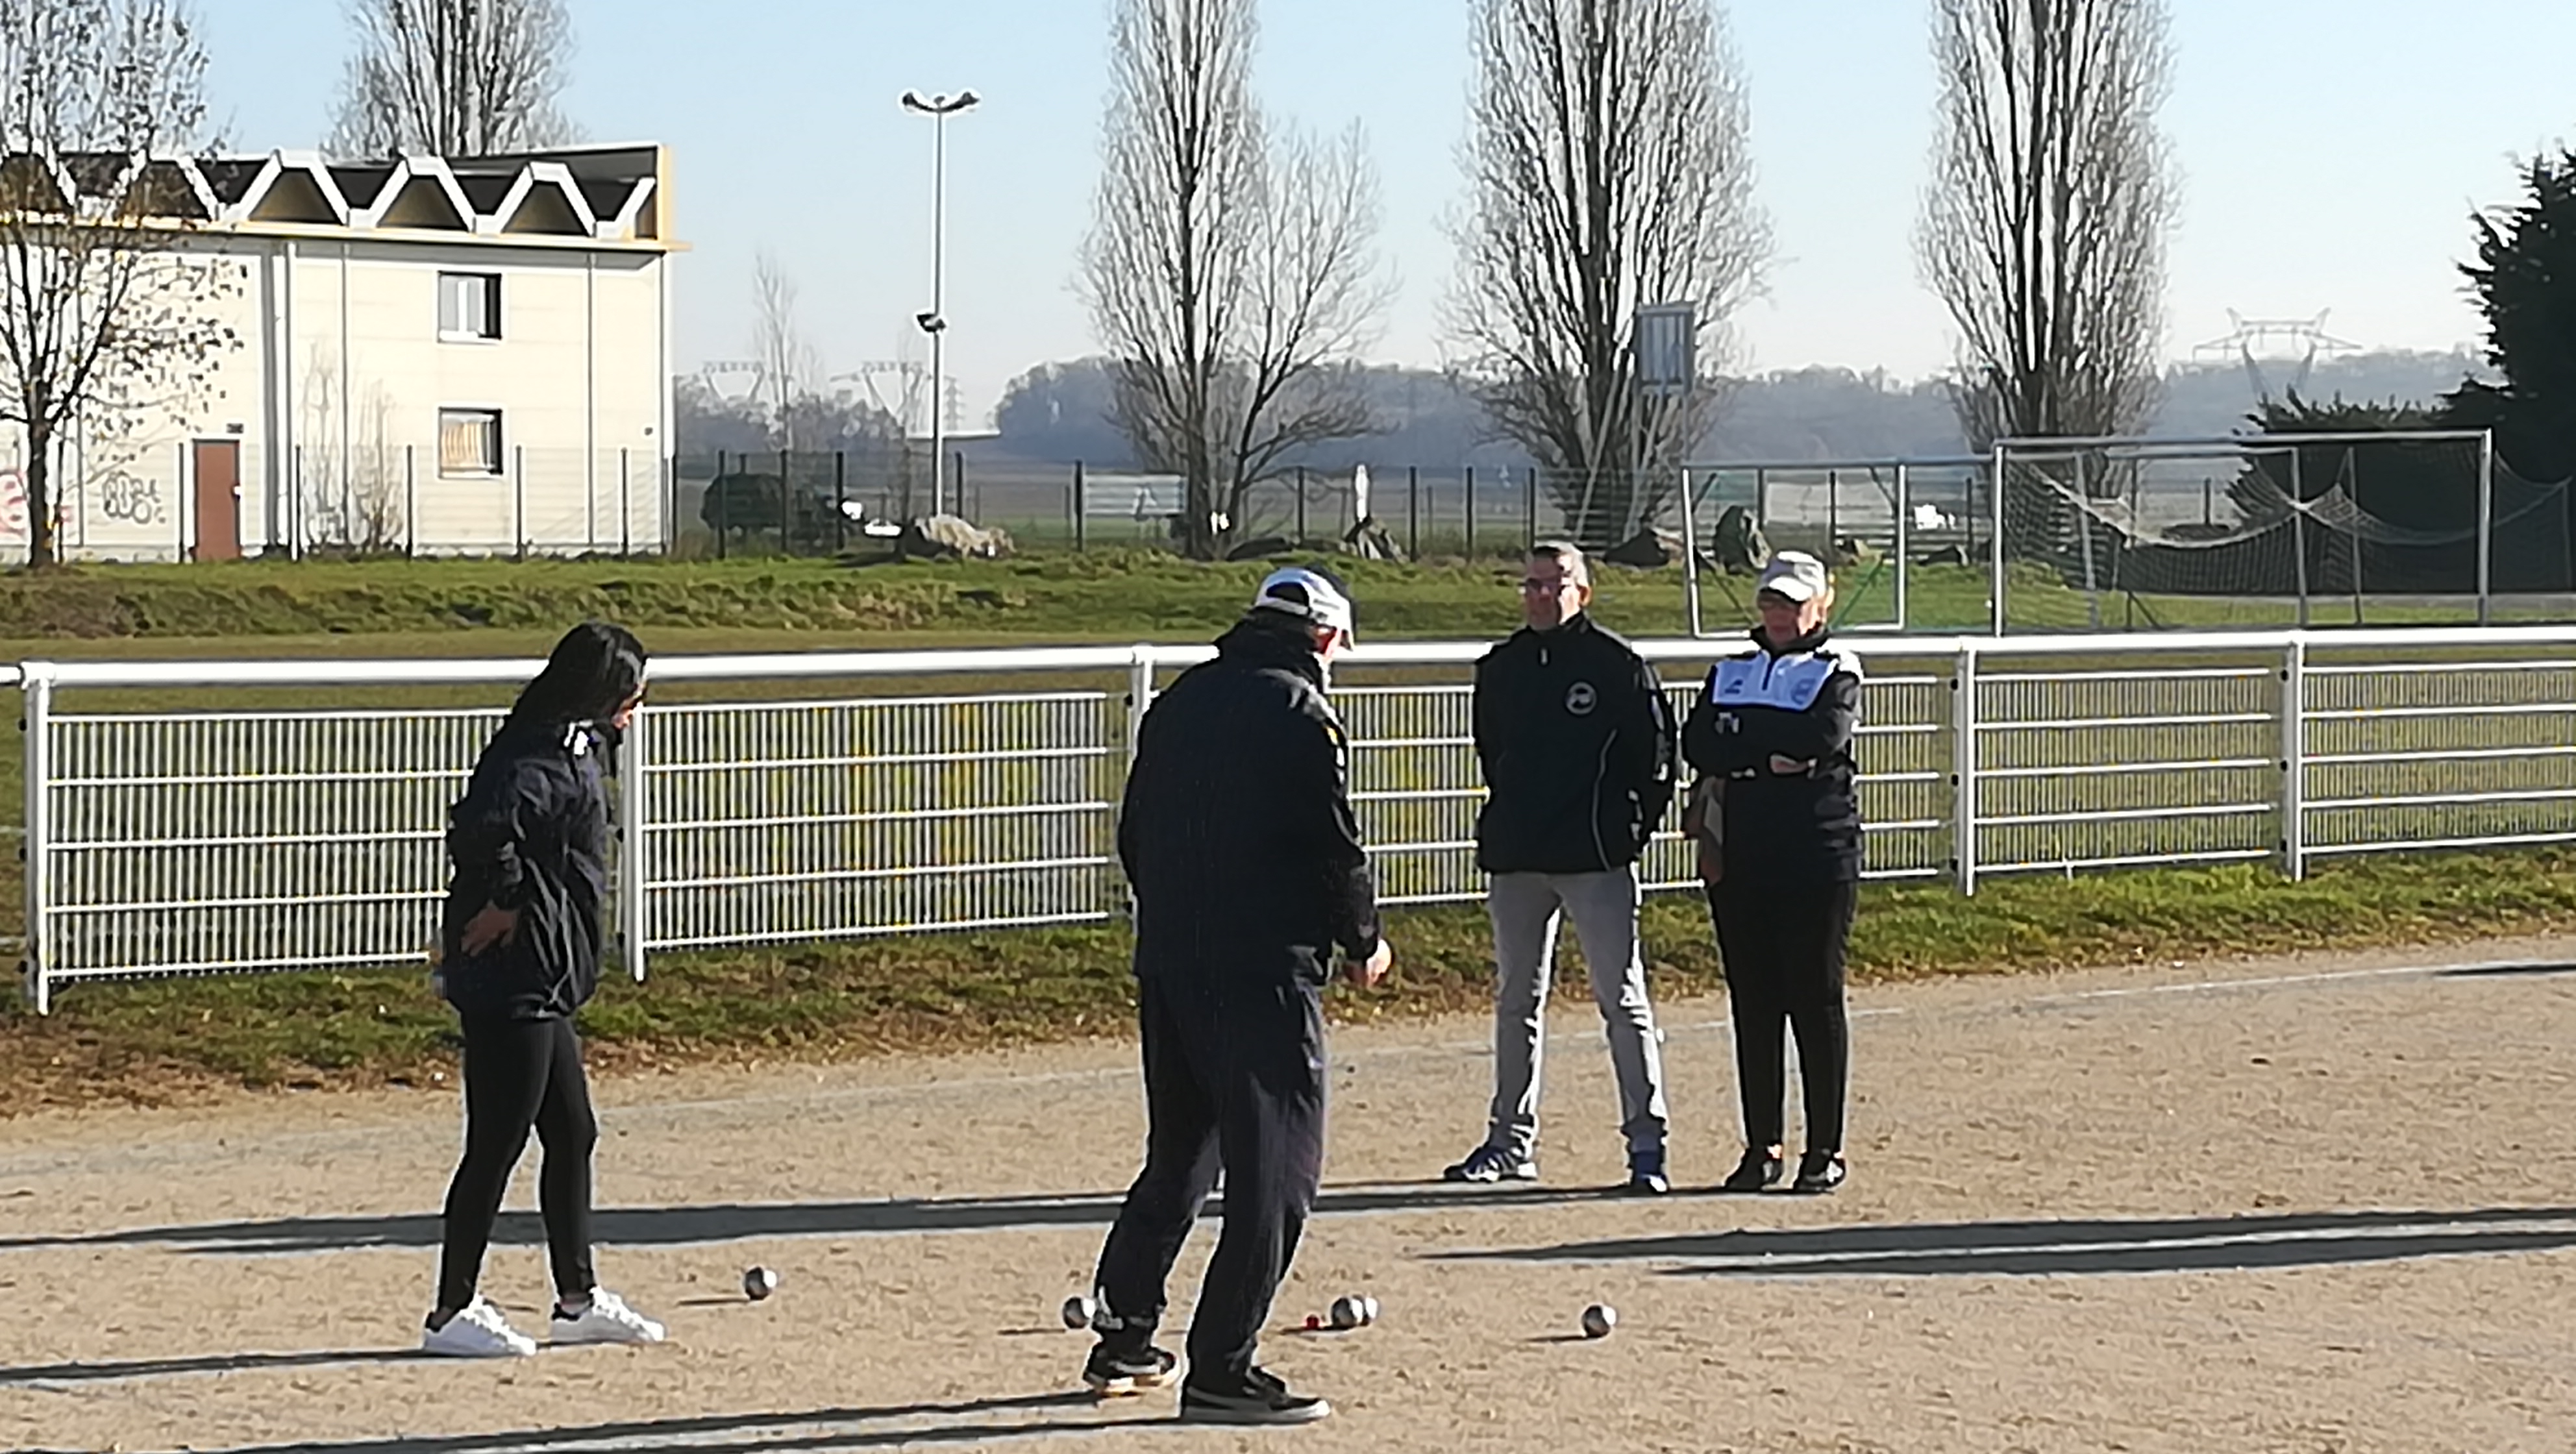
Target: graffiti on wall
130,498
13,509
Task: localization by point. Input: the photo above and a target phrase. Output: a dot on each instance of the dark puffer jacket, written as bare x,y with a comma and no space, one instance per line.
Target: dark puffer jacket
530,834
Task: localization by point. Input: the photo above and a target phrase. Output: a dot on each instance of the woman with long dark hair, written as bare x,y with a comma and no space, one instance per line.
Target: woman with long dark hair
519,954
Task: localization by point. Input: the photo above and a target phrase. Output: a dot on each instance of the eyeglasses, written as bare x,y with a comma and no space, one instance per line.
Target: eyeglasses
1536,587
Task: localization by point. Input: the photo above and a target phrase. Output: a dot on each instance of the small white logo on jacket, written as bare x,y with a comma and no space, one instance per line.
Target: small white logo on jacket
1580,699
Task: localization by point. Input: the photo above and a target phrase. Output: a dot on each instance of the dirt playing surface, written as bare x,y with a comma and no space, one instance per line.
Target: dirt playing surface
2325,1205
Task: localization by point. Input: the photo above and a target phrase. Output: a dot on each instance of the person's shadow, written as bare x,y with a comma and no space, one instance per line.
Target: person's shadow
730,1222
2096,1246
964,1422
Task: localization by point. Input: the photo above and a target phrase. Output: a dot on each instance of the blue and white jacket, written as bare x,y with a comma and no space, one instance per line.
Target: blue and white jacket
1799,703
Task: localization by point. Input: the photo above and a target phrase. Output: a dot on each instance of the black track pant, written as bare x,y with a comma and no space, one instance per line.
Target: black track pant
1234,1078
1783,946
521,1074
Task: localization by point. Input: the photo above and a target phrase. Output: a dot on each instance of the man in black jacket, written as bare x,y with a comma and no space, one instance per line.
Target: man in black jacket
1238,839
1577,743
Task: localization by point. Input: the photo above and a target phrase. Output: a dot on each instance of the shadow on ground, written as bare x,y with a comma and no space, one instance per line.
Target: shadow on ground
821,1429
2505,971
673,1226
2060,1248
210,1363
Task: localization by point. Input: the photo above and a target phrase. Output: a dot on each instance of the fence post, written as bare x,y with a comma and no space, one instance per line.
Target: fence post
36,722
786,524
2294,759
1529,509
1690,557
411,500
2299,542
1301,506
1077,507
634,868
625,507
1904,536
1995,547
1140,693
519,498
1471,512
2486,524
1963,770
724,504
1413,512
840,501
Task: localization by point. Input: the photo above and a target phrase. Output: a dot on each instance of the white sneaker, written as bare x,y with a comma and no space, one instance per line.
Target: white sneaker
478,1331
607,1320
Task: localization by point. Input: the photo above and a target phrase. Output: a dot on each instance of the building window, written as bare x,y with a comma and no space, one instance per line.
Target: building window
469,441
469,305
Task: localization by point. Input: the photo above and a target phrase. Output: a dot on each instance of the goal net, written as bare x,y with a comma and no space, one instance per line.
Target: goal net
2283,529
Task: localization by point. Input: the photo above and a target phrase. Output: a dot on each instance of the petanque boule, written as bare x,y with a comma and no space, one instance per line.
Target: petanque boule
758,1283
1599,1319
1348,1312
1078,1310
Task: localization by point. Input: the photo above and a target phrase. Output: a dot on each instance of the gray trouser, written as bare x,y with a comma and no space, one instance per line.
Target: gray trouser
1525,909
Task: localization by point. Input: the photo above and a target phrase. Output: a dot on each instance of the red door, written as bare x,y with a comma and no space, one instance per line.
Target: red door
218,502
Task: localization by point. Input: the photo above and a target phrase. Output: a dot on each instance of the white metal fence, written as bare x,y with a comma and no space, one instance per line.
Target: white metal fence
181,819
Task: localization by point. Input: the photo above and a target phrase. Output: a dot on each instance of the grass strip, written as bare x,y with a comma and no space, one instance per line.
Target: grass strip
161,1042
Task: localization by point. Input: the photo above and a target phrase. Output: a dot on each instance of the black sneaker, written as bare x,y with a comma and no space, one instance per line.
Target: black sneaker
1115,1372
1257,1397
1758,1171
1646,1174
1492,1164
1818,1173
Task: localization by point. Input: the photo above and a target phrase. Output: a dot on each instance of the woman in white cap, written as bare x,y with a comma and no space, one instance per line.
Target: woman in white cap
1778,826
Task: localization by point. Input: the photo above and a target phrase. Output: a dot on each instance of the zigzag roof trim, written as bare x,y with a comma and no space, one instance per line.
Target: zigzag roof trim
605,191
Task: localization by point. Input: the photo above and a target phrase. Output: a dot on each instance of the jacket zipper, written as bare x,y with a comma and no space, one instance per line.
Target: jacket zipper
1601,771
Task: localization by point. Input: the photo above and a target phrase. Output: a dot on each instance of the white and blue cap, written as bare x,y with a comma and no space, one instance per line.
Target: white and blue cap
1795,575
1308,594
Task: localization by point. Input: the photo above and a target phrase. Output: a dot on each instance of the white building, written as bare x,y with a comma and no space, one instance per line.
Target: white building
469,355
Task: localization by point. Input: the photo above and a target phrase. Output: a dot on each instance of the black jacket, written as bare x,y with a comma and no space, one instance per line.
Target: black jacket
1237,833
1801,701
1576,740
531,834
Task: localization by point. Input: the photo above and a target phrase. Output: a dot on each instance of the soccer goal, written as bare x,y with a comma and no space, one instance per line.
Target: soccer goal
1902,537
2268,530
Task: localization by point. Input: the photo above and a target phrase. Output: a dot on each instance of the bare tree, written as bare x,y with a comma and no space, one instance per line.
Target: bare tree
1231,281
786,360
1609,171
455,77
2044,222
107,315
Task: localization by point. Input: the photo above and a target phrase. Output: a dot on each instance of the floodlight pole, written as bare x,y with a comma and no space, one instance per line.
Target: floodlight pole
935,322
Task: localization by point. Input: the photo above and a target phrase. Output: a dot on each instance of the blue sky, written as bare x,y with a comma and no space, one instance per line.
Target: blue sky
2330,152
